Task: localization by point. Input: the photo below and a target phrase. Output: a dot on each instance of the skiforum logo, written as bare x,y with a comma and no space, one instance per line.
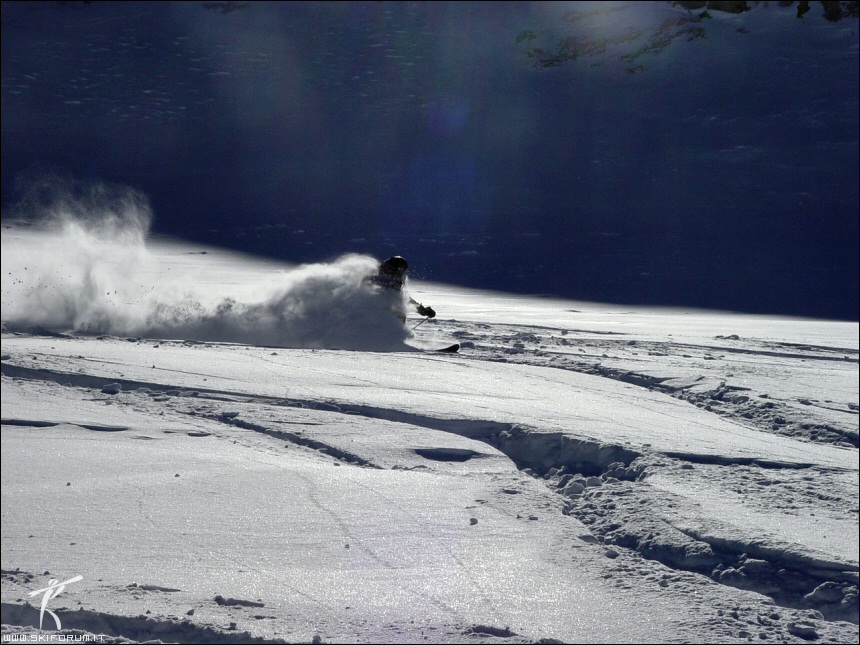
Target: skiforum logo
53,590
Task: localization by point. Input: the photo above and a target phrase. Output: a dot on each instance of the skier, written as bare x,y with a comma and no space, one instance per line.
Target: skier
392,276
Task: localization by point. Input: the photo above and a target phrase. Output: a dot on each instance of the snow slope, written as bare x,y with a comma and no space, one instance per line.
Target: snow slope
577,473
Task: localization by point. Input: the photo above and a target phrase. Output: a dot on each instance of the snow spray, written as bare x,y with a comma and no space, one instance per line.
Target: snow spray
77,260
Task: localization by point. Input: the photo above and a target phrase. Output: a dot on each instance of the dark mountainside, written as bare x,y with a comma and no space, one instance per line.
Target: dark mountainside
674,153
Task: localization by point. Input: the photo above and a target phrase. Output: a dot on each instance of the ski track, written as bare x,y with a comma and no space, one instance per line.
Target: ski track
709,385
607,488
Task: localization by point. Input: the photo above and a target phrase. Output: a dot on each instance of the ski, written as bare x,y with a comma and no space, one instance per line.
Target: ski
424,347
450,349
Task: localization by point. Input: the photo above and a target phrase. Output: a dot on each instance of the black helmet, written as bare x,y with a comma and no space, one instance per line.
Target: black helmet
394,266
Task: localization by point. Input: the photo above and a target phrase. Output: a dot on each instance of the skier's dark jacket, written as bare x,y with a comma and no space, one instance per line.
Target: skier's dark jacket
392,275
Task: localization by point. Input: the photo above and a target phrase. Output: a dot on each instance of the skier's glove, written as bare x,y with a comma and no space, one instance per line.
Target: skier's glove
426,311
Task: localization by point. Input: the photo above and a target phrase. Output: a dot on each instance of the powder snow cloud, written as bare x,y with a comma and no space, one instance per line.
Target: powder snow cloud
83,265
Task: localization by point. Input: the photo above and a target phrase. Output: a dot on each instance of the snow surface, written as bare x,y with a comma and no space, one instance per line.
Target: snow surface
186,429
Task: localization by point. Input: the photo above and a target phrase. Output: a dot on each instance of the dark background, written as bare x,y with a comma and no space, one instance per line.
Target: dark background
641,153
